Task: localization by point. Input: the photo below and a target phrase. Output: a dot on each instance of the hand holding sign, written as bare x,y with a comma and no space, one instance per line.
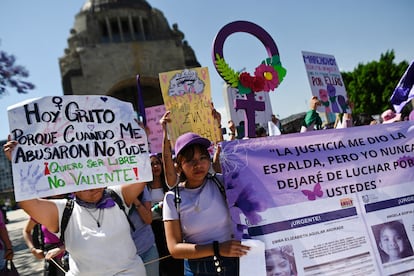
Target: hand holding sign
74,143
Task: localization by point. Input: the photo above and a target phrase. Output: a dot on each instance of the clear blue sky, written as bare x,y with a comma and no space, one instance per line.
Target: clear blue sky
353,31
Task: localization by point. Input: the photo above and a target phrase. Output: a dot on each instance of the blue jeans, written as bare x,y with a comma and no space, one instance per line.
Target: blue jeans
206,266
152,268
2,260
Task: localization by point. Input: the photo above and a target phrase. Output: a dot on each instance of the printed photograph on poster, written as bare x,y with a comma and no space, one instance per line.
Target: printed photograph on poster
321,193
389,216
392,241
281,261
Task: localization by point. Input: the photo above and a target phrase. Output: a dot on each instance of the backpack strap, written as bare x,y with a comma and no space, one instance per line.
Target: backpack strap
177,198
38,237
121,206
69,208
220,186
65,218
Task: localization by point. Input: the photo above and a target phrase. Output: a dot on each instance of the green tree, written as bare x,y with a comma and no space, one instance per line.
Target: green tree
371,85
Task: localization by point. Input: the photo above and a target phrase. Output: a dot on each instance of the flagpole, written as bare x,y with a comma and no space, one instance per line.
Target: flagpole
141,106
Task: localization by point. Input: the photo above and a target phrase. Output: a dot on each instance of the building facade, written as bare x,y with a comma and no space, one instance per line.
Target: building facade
113,41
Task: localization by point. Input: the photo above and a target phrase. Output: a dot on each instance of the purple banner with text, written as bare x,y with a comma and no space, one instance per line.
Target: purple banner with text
323,196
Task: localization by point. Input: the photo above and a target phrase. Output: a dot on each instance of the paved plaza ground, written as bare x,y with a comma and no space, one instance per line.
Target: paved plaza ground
25,262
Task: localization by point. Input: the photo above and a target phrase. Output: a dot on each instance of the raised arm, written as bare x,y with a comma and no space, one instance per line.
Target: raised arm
216,159
131,191
43,211
168,163
144,210
27,236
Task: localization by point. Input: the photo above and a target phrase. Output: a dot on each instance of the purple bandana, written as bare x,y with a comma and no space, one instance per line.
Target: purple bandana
105,202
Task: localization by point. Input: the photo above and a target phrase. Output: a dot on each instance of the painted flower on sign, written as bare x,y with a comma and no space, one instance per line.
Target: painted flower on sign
267,76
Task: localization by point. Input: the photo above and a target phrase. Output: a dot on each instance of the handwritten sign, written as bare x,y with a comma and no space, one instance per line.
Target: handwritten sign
153,116
187,95
320,197
326,83
74,143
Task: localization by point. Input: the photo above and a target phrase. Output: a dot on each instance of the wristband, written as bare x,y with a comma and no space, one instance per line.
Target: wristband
216,258
216,248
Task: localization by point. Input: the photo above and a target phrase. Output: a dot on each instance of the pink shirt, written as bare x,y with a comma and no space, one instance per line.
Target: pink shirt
2,224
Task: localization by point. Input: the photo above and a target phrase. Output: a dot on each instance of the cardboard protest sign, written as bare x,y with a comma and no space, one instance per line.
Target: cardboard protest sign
74,143
320,198
187,94
326,83
153,116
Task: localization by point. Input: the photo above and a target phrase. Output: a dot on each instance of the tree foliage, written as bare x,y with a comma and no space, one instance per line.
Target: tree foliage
371,85
11,75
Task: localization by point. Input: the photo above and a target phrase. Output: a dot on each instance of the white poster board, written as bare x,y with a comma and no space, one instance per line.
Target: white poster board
326,83
74,143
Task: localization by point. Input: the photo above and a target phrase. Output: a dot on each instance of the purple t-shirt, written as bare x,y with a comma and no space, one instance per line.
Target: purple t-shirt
2,225
49,238
204,213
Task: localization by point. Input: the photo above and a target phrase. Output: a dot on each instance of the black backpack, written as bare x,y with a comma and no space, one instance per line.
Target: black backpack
69,208
38,237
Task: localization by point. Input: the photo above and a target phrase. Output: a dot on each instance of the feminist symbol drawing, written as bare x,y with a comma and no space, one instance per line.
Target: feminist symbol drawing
267,76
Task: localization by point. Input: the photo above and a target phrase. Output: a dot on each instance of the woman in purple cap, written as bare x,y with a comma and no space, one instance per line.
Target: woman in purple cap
197,221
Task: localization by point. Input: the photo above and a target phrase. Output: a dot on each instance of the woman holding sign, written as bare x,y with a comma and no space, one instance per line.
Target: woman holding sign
97,235
197,221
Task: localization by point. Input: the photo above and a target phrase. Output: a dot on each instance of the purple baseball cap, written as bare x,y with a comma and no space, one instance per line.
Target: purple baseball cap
189,138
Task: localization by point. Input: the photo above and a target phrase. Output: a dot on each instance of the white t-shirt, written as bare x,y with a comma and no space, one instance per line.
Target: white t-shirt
204,215
157,196
105,250
274,130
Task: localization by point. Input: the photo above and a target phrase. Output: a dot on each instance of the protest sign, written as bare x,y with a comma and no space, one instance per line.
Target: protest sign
320,198
326,83
153,116
74,143
187,95
267,76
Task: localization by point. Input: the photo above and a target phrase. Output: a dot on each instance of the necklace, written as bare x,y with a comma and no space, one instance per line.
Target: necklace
99,219
198,196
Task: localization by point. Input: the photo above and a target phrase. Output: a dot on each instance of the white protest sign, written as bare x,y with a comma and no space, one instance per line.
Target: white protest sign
326,83
74,143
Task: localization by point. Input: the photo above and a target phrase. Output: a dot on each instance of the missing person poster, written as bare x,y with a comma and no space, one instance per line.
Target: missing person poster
329,202
74,143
